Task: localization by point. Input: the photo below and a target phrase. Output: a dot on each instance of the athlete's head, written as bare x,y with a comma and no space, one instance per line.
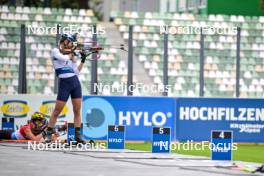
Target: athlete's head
67,42
38,122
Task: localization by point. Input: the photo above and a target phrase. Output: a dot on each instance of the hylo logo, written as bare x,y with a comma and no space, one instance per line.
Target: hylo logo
156,119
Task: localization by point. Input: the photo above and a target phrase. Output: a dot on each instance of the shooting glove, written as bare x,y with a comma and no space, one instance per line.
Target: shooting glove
44,134
83,57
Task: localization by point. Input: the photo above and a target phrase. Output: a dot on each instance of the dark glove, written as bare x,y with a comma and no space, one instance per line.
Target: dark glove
83,57
44,134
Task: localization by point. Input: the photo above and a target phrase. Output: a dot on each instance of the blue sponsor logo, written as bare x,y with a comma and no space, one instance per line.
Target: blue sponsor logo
97,115
245,117
138,114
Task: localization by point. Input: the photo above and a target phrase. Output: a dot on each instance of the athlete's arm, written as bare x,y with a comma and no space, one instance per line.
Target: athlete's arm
54,137
31,136
56,54
77,69
80,66
83,57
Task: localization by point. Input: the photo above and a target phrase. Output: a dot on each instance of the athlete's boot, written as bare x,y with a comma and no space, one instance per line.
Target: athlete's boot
78,138
48,135
92,142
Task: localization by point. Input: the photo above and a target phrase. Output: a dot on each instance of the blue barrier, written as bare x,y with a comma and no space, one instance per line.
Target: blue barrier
138,114
116,137
189,118
196,117
161,140
8,124
221,145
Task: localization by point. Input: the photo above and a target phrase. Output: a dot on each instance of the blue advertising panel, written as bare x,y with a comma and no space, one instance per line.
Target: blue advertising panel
161,140
221,145
138,114
8,124
70,132
196,117
116,137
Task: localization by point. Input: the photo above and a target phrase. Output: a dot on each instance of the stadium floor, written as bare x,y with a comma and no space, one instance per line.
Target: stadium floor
16,159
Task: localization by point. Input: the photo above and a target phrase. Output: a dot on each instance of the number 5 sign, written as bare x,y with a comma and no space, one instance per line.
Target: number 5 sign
161,139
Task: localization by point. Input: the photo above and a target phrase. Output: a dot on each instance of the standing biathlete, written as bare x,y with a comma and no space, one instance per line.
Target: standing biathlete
64,63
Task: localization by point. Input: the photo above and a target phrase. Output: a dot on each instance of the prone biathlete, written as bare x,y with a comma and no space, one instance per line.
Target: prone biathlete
34,130
66,69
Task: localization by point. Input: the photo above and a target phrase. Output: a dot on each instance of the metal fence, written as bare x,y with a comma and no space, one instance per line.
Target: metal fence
94,79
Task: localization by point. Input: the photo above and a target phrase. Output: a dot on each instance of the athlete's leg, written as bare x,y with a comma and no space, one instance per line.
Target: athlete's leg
56,112
63,96
53,119
76,96
77,103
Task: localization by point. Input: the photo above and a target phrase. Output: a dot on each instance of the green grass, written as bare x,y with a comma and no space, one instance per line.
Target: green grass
250,153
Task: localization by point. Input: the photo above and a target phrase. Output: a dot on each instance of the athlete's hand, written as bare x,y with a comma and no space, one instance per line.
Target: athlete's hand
83,56
72,58
66,51
44,134
54,137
